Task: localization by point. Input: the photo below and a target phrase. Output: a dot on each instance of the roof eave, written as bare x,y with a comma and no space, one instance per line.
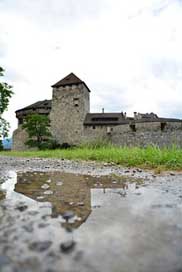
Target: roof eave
57,85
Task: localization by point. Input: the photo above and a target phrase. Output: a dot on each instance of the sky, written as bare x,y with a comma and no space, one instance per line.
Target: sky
129,53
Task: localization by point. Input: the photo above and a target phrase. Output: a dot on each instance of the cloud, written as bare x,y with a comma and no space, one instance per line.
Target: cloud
56,13
128,52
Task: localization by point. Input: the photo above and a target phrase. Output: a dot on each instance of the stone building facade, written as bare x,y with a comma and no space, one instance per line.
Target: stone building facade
72,123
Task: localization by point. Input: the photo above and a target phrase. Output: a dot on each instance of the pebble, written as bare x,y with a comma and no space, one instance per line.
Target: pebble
43,225
139,170
78,256
80,204
45,186
40,197
156,206
68,215
122,193
59,183
138,194
28,228
33,213
170,206
40,246
21,208
68,246
48,192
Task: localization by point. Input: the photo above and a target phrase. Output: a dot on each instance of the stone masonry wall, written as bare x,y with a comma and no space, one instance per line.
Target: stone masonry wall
96,134
20,136
145,134
70,104
122,135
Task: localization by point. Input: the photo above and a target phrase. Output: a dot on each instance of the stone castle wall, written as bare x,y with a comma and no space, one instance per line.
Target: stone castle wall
20,136
148,133
70,104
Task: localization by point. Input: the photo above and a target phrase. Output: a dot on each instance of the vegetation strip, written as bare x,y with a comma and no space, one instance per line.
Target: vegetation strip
149,157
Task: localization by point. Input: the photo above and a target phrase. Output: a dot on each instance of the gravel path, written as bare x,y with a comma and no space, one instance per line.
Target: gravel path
82,167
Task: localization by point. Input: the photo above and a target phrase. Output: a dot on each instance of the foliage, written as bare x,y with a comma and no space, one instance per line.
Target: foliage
1,145
5,94
150,157
4,127
37,127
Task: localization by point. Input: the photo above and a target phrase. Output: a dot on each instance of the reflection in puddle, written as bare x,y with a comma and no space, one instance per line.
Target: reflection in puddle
66,192
108,223
2,195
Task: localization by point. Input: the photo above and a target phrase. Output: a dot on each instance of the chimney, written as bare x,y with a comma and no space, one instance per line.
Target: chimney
102,110
135,115
125,115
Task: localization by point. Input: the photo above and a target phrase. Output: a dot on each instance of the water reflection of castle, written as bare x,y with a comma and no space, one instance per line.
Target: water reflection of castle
65,191
2,195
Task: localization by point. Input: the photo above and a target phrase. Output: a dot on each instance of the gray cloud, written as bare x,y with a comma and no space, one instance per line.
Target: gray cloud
161,7
110,97
56,13
137,63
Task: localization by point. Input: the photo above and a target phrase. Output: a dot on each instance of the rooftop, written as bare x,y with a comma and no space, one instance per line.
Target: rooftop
105,119
69,80
93,119
37,105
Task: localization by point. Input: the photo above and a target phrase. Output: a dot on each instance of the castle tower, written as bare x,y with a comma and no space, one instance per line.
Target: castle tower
70,104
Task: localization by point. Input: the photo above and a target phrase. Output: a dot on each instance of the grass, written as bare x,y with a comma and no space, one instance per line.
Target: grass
150,157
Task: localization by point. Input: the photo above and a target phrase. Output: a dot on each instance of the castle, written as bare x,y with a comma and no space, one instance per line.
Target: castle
72,123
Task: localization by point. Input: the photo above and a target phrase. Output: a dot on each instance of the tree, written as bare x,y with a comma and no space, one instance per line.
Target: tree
37,127
5,94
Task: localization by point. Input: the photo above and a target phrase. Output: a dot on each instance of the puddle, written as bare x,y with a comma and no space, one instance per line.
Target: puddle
64,191
86,223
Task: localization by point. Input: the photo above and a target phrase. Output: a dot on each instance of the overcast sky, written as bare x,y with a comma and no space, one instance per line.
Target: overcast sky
129,53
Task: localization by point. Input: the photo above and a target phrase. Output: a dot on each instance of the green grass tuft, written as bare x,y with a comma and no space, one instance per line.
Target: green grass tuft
150,157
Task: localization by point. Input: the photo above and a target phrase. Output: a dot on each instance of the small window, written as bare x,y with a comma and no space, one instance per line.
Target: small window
20,121
163,125
133,127
93,127
76,105
75,99
106,119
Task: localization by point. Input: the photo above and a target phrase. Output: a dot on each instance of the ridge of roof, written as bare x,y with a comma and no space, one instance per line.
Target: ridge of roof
104,119
38,104
70,79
